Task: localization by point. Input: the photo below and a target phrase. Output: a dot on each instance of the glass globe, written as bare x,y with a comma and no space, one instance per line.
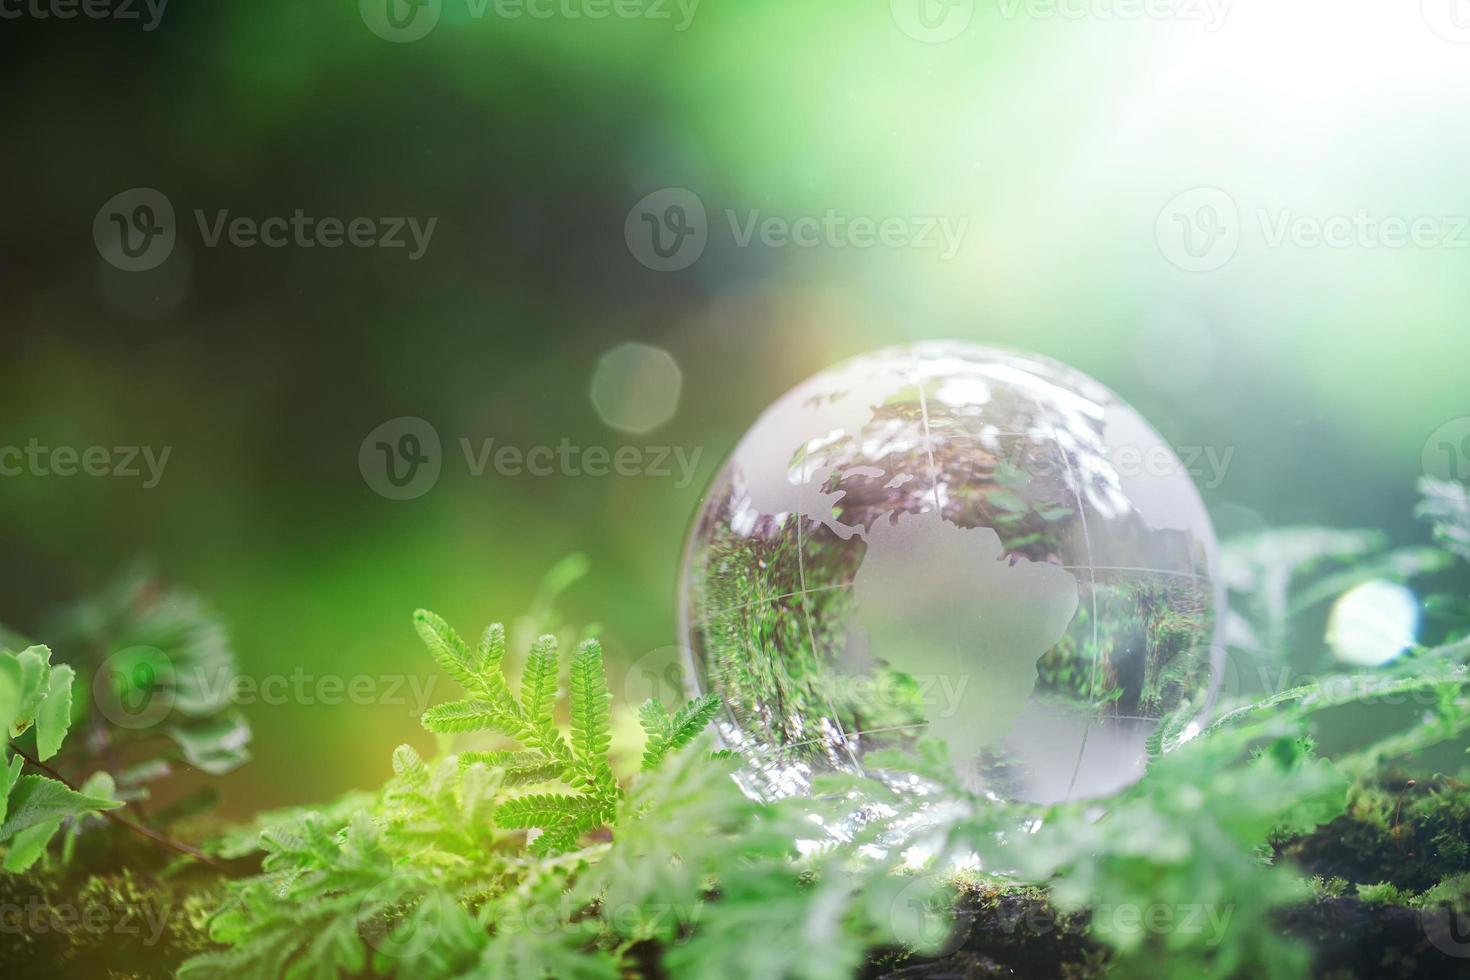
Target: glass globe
951,559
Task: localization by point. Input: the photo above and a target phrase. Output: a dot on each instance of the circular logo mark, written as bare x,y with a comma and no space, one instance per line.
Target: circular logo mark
667,230
135,231
400,21
401,459
394,922
922,916
1199,230
1447,930
1450,19
658,674
136,687
1447,452
932,21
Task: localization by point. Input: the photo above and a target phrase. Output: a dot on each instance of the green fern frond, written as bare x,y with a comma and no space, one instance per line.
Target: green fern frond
655,722
448,649
591,715
541,810
455,717
692,719
492,650
520,767
409,767
538,682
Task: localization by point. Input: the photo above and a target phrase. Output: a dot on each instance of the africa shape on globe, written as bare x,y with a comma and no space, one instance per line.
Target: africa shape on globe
951,556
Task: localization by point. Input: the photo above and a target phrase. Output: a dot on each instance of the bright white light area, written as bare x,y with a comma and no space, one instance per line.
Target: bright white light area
1373,623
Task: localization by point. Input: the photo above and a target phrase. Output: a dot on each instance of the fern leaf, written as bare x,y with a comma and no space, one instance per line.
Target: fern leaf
519,767
691,719
448,649
656,723
492,650
408,766
539,810
538,683
591,717
465,716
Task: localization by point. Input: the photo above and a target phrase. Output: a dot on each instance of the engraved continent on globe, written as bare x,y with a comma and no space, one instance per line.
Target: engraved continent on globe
950,556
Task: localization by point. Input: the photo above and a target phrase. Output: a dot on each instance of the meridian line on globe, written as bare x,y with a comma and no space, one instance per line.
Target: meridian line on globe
1092,593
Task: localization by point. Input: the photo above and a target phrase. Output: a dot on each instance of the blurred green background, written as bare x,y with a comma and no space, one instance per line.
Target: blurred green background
1060,141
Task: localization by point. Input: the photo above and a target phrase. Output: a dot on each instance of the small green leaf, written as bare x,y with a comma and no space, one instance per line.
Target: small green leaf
30,844
54,717
9,692
37,799
35,672
8,775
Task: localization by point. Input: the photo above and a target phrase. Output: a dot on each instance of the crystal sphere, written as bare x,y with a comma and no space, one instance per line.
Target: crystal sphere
952,564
